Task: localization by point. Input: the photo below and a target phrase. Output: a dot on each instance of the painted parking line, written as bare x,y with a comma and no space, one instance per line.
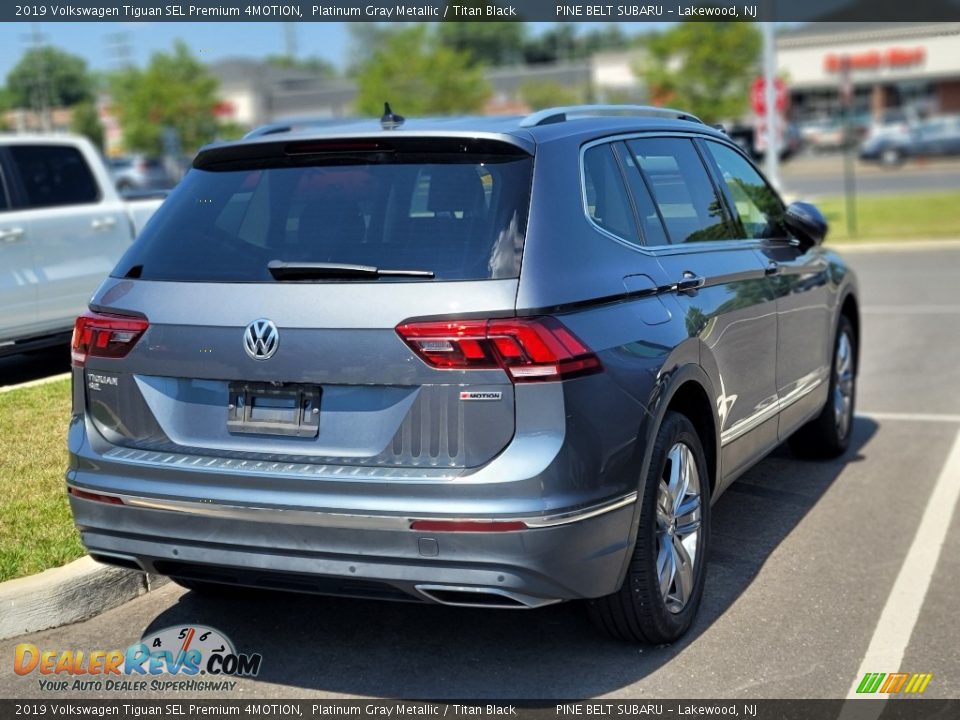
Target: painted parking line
900,613
34,383
912,417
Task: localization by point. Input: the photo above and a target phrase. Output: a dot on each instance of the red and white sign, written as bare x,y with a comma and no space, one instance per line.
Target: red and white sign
760,133
875,59
758,98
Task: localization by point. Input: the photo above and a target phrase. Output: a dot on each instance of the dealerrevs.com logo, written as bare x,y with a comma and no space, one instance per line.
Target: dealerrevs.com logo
171,659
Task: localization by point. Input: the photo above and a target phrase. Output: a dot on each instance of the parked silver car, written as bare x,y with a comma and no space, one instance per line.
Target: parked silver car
132,173
498,362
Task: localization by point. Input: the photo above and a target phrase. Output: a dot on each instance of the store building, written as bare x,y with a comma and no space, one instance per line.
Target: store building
891,65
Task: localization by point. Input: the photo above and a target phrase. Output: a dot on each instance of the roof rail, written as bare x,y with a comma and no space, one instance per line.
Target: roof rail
562,114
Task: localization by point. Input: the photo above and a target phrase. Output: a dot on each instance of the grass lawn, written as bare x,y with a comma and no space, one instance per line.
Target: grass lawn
36,527
907,216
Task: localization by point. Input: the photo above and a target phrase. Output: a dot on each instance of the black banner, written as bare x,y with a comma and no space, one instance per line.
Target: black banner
914,709
476,11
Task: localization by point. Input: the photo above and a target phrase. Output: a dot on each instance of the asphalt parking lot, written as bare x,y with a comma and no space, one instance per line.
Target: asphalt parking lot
814,176
815,566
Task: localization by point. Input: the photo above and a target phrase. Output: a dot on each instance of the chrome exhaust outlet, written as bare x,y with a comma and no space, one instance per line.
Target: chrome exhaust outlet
481,597
118,560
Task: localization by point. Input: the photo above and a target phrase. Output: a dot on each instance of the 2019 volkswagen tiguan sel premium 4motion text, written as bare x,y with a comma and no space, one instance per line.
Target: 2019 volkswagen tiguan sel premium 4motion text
480,362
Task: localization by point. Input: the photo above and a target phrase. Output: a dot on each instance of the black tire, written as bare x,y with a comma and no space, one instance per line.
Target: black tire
638,611
824,436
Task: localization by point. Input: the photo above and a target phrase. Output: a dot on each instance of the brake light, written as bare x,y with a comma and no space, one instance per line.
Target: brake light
468,525
108,336
528,349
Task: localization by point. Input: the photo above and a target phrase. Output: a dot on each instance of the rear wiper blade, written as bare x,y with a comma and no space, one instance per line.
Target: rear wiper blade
315,271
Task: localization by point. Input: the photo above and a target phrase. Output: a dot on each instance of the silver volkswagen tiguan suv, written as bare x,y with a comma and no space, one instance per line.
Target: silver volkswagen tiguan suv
498,362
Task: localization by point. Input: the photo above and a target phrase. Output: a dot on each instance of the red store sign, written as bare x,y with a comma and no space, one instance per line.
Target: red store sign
875,59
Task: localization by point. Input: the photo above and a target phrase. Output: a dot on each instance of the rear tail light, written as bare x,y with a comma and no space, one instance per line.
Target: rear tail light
108,336
528,349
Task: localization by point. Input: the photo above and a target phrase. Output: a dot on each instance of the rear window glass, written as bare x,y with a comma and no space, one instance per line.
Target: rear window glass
54,175
461,220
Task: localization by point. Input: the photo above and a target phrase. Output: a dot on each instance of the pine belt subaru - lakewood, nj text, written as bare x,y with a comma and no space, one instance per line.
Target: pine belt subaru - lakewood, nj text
498,362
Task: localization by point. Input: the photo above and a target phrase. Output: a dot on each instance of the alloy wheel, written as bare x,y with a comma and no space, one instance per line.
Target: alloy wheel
843,385
678,527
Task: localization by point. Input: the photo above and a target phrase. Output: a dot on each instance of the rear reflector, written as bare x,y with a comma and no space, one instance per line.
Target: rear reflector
528,349
95,497
467,525
108,336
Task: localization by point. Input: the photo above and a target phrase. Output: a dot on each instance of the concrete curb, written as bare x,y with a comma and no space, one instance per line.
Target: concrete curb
68,594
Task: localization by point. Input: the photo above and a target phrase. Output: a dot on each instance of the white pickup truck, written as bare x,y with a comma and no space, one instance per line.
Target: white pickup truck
62,229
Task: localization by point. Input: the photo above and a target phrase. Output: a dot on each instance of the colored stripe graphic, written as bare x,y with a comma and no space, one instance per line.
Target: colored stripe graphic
894,683
918,683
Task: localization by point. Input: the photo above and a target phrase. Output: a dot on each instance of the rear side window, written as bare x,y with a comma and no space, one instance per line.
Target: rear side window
462,217
4,197
54,175
607,202
685,196
759,207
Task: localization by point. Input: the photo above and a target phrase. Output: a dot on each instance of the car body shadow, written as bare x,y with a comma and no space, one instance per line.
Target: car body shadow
412,650
34,365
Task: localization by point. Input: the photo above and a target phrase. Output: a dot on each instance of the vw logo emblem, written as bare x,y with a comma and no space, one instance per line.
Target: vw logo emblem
261,339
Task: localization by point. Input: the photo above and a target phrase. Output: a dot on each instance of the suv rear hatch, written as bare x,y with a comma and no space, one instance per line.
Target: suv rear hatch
257,315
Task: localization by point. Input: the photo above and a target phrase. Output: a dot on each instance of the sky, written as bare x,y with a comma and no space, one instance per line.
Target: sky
211,41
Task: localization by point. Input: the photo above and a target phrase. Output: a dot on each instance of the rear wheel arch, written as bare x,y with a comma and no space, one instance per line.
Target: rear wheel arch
686,389
691,399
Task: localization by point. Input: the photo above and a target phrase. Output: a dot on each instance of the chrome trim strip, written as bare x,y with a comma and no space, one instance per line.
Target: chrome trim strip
670,248
316,518
761,416
578,515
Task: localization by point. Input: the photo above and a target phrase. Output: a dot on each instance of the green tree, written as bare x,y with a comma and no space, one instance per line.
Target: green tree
174,91
314,65
539,95
558,43
704,68
86,121
491,43
48,71
419,75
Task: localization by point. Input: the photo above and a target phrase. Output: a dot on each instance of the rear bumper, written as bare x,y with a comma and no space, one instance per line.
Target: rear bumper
564,557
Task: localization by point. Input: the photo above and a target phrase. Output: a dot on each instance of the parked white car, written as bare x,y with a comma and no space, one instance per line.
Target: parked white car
62,229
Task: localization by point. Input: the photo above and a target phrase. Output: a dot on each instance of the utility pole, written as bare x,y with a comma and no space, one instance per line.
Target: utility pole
769,91
120,49
290,40
40,80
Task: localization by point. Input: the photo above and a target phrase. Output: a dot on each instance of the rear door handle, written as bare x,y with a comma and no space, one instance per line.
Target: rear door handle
11,234
690,282
105,223
773,268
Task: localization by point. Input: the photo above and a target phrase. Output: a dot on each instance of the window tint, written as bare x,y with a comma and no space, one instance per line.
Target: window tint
54,175
463,219
758,206
607,202
650,223
685,196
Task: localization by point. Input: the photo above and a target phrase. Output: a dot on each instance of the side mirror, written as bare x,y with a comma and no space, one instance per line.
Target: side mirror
806,223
